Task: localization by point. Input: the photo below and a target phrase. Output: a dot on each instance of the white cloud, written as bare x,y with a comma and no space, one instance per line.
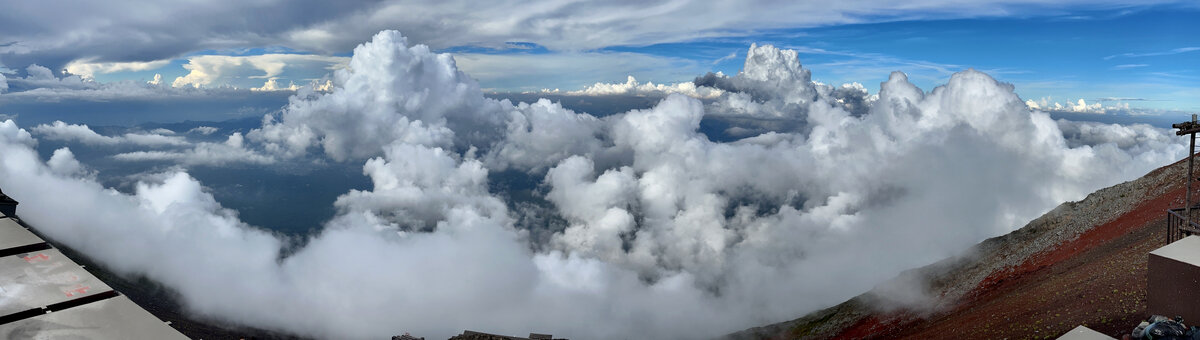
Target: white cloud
42,77
177,148
1154,54
204,130
132,31
1079,106
83,134
669,235
273,85
88,69
538,135
41,85
633,87
1129,66
773,85
563,25
208,70
361,262
376,101
3,83
15,135
154,139
203,153
1136,139
63,163
731,56
593,205
72,132
566,28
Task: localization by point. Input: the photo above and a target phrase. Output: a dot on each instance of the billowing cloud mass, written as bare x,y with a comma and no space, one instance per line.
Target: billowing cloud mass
664,233
773,85
390,94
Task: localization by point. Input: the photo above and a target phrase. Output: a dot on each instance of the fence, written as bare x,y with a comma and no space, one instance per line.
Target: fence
1179,226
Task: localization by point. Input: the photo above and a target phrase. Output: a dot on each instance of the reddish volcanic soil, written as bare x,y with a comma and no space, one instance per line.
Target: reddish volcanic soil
1095,277
1097,280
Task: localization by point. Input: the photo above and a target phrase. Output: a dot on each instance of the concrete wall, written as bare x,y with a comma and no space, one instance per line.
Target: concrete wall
1174,280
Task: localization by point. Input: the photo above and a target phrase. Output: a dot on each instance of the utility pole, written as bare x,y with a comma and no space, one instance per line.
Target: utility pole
1189,128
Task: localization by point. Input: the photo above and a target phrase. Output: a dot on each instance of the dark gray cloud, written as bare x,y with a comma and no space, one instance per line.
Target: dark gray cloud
57,32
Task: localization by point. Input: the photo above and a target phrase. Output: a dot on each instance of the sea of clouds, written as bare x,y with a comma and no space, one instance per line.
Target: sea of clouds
661,231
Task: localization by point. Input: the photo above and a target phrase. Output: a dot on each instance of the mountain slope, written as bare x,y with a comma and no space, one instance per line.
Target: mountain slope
1081,263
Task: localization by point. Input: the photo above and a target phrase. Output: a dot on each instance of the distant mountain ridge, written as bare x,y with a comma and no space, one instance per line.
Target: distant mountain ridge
1081,263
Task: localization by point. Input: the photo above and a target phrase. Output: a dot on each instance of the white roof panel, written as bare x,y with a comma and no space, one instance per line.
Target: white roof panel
112,318
1084,333
41,278
13,235
1186,250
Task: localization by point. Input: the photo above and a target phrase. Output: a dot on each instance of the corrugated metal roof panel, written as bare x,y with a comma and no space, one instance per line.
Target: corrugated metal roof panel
42,278
113,318
14,235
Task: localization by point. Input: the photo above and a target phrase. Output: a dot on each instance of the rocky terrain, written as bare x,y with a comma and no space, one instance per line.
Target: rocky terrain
1083,263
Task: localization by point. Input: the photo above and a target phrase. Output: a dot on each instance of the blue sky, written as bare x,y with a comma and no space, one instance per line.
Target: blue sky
1149,55
1106,52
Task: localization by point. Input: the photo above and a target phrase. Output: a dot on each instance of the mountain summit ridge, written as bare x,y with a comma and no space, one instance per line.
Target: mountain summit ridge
1083,262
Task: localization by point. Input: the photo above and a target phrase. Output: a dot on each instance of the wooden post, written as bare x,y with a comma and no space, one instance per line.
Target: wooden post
1187,200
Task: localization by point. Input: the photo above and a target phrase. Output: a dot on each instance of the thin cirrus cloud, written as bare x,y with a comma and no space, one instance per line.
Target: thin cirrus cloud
664,232
334,27
571,45
1153,54
1129,66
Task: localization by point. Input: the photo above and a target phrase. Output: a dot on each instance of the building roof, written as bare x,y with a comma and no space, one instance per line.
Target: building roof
1084,333
44,294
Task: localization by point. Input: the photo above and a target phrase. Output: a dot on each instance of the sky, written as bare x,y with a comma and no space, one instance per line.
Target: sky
1111,53
597,170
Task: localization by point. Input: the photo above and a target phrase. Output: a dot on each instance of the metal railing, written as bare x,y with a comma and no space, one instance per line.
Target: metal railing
1179,226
